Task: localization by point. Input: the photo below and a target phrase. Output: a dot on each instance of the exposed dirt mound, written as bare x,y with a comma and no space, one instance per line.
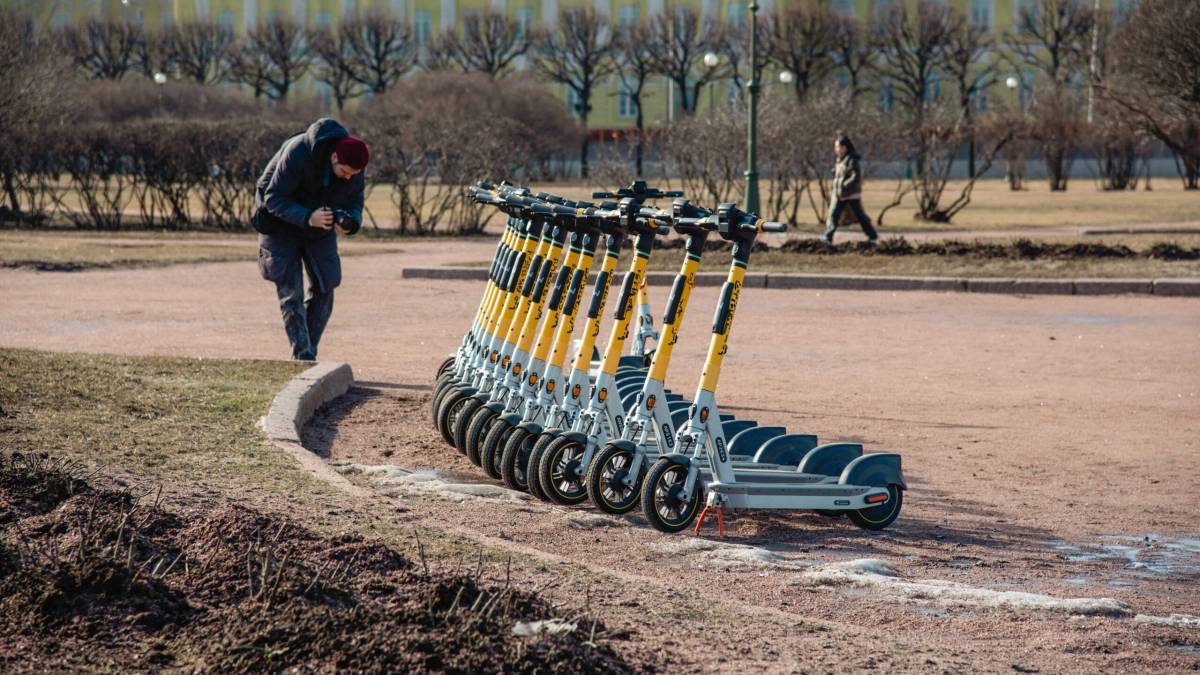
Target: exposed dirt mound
1018,249
113,580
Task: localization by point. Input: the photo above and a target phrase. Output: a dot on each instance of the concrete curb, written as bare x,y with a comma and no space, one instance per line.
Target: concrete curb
850,282
295,405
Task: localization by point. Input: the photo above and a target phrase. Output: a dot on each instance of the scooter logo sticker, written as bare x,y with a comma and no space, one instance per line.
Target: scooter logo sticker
517,369
650,403
721,449
550,385
603,395
703,415
533,379
668,436
575,391
495,355
505,362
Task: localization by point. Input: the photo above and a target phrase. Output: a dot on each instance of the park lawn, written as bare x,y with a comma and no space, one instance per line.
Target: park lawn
71,250
158,417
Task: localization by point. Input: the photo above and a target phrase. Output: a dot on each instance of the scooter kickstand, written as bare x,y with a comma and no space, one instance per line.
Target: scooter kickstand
720,520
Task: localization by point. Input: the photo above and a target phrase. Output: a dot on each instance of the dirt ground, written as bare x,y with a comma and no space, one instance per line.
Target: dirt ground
1049,444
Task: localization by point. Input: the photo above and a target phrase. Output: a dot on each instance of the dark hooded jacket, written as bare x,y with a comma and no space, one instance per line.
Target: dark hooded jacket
298,180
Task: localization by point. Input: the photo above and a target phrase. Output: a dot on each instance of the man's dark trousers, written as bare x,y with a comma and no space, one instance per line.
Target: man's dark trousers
304,316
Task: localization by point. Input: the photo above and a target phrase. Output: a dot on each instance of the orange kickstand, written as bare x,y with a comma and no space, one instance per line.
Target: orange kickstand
720,520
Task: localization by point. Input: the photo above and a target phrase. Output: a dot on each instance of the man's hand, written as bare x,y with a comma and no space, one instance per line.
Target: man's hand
340,230
322,218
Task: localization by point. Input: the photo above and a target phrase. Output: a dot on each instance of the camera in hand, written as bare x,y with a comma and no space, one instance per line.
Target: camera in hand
342,219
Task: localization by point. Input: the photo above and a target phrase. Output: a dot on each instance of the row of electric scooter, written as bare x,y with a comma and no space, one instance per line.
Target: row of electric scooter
611,432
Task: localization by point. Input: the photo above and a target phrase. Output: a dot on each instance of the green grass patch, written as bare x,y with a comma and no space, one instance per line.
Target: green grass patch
185,419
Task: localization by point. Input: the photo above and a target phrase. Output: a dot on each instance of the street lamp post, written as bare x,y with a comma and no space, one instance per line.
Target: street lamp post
711,60
751,197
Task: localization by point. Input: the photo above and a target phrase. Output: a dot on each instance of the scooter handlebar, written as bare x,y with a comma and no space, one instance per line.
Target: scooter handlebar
773,226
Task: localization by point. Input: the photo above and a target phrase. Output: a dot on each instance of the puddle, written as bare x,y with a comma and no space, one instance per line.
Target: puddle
1149,554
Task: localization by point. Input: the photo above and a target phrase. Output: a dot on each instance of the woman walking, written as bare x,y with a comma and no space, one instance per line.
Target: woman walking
847,191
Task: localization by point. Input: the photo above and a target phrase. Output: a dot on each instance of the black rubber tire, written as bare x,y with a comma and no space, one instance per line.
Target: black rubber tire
555,475
477,428
445,365
459,430
514,466
492,448
606,470
439,390
447,415
881,515
535,458
662,509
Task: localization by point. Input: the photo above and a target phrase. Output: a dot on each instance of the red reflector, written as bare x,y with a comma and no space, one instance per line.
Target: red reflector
876,499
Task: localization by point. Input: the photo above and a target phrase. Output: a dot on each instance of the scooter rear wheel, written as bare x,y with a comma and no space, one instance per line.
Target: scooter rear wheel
881,515
481,422
556,472
445,365
448,412
440,387
661,505
514,467
463,420
491,453
604,477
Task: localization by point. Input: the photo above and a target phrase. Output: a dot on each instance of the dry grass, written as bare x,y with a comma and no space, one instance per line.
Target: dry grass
185,419
76,251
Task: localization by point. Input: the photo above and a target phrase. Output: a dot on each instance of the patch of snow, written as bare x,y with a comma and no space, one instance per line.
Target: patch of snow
549,626
718,555
882,577
399,481
1175,620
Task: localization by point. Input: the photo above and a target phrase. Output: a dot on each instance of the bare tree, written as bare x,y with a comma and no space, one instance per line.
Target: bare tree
636,67
156,53
1053,37
579,56
490,42
250,66
199,51
337,65
384,48
105,49
853,52
283,45
679,41
968,44
802,43
438,55
1157,63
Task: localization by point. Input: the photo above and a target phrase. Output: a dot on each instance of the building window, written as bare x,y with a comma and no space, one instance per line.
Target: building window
226,24
843,7
1026,78
981,15
627,15
61,21
626,105
322,21
324,93
272,17
1025,15
166,19
29,27
422,26
1121,9
682,14
933,86
735,14
524,18
979,92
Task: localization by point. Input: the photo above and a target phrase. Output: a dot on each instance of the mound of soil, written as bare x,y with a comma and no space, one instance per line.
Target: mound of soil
984,250
92,578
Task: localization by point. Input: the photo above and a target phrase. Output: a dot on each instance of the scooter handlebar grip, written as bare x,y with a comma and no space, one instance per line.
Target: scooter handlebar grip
774,226
663,230
673,193
602,195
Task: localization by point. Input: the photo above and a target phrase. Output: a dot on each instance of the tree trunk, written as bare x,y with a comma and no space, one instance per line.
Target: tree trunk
641,140
11,191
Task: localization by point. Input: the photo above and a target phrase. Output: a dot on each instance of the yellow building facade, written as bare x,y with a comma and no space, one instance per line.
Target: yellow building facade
610,109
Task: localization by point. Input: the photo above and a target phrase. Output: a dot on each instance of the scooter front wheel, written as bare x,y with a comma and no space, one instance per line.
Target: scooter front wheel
491,453
459,431
481,423
514,467
605,480
445,365
536,487
448,412
881,515
557,472
440,387
661,503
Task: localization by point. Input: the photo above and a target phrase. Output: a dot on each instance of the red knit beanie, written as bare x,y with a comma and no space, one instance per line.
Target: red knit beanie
353,153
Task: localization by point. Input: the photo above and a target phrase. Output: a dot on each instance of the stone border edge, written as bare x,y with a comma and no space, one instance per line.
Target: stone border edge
1182,287
294,406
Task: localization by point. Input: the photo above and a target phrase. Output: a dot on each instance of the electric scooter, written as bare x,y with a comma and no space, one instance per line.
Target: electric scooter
868,488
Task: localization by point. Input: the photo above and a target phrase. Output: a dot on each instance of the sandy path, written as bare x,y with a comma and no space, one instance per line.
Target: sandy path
1044,438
